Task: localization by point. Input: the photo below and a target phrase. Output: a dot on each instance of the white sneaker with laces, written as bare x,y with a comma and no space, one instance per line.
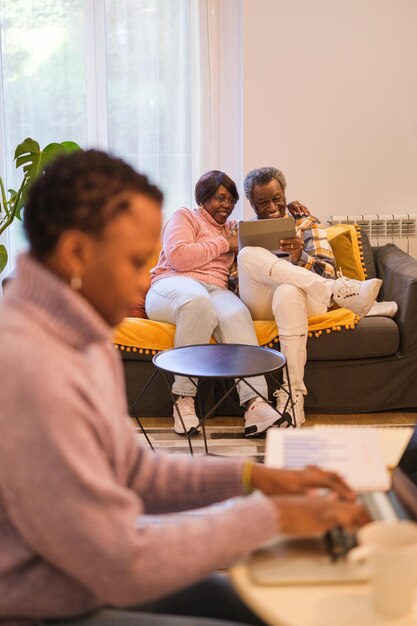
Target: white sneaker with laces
356,295
283,404
185,406
260,416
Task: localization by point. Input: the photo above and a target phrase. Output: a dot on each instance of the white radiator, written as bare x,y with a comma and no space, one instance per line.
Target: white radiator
381,229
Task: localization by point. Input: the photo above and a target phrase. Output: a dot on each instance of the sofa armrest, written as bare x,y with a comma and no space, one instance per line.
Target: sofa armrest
398,271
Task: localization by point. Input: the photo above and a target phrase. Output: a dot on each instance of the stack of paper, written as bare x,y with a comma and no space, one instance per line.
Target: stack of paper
355,453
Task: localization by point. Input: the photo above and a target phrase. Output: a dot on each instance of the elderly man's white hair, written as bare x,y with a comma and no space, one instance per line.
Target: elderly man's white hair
262,176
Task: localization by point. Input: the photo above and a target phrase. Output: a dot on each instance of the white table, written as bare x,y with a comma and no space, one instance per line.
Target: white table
312,605
322,604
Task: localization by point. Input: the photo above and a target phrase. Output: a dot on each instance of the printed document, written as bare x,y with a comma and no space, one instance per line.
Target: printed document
355,453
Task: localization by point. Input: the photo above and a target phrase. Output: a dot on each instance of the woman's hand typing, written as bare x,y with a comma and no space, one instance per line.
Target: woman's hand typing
285,482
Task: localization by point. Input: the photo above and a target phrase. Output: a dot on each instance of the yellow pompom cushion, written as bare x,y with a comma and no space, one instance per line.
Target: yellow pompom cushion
345,240
145,336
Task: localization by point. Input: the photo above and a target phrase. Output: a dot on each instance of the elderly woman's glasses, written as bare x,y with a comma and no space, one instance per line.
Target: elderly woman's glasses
226,201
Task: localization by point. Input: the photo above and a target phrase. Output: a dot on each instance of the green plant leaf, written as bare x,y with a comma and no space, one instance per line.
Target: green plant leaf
12,201
34,160
3,258
28,145
70,146
15,202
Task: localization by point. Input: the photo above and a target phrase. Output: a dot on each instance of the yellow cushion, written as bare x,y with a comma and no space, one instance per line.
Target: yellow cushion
347,249
148,337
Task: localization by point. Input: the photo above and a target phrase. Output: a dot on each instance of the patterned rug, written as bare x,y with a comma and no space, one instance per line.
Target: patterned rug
225,434
221,440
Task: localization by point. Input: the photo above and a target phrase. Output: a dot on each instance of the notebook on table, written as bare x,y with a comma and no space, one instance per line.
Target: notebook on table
266,233
306,561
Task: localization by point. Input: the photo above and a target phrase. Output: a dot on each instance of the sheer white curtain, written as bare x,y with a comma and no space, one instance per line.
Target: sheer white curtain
148,90
137,77
216,123
42,81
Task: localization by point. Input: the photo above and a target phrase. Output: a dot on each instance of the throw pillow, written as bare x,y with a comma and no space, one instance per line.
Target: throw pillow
349,247
368,257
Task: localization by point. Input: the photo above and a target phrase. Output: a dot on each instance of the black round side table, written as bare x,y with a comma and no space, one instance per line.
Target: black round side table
228,361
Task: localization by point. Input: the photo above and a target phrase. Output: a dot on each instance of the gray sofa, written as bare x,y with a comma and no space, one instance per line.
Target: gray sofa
372,368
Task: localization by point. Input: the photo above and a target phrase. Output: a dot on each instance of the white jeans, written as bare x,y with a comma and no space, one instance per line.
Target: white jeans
199,311
273,288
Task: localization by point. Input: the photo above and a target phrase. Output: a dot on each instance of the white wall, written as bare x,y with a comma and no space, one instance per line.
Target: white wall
330,97
230,90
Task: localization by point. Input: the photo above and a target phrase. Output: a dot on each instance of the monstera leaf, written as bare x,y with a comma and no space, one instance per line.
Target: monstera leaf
29,156
34,160
3,258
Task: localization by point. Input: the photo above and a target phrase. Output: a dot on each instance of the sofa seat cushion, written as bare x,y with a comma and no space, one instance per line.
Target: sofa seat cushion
147,337
373,337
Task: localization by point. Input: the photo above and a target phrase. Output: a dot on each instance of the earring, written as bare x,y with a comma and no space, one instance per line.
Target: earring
76,283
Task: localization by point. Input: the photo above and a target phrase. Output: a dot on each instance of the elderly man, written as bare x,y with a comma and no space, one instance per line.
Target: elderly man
294,288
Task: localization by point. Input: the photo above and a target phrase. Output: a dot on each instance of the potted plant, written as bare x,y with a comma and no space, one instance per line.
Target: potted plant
28,155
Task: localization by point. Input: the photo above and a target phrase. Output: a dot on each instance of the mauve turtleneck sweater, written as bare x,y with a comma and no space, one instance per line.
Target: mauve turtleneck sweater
74,481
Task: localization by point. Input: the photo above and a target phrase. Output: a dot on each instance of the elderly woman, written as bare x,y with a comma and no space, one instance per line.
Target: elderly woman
74,482
189,289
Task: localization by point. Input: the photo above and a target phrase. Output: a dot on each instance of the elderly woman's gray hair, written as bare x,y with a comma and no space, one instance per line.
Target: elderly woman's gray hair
262,176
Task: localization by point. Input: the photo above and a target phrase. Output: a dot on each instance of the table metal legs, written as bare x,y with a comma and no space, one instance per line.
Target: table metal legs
140,395
289,404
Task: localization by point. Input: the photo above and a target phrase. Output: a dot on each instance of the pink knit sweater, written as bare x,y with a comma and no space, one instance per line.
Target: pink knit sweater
195,245
74,481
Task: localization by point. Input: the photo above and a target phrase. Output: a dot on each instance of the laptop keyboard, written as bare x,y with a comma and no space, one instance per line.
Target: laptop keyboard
378,506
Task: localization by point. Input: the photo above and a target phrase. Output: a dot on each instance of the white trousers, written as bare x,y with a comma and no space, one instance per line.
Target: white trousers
273,288
199,311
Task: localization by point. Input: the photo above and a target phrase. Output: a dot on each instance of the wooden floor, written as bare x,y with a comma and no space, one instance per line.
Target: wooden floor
407,417
404,418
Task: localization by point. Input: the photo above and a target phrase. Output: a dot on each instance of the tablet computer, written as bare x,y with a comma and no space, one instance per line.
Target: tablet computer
266,233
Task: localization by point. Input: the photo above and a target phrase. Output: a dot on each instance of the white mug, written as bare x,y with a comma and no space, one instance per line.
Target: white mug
391,550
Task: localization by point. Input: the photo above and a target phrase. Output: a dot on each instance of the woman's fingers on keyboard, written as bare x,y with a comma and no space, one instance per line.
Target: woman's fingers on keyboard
309,515
316,477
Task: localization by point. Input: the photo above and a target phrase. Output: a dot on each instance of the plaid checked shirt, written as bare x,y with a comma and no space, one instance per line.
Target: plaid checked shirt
317,255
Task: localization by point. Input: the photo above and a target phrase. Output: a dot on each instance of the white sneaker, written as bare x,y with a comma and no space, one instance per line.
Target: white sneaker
185,406
260,416
356,295
283,404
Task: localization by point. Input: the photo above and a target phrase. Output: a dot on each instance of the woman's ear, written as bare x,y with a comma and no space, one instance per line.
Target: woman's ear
73,252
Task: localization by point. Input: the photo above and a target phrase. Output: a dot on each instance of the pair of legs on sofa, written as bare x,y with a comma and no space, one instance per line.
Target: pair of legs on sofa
273,288
270,288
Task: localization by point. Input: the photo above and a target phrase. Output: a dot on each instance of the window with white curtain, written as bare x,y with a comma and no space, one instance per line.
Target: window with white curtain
109,73
149,89
42,82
